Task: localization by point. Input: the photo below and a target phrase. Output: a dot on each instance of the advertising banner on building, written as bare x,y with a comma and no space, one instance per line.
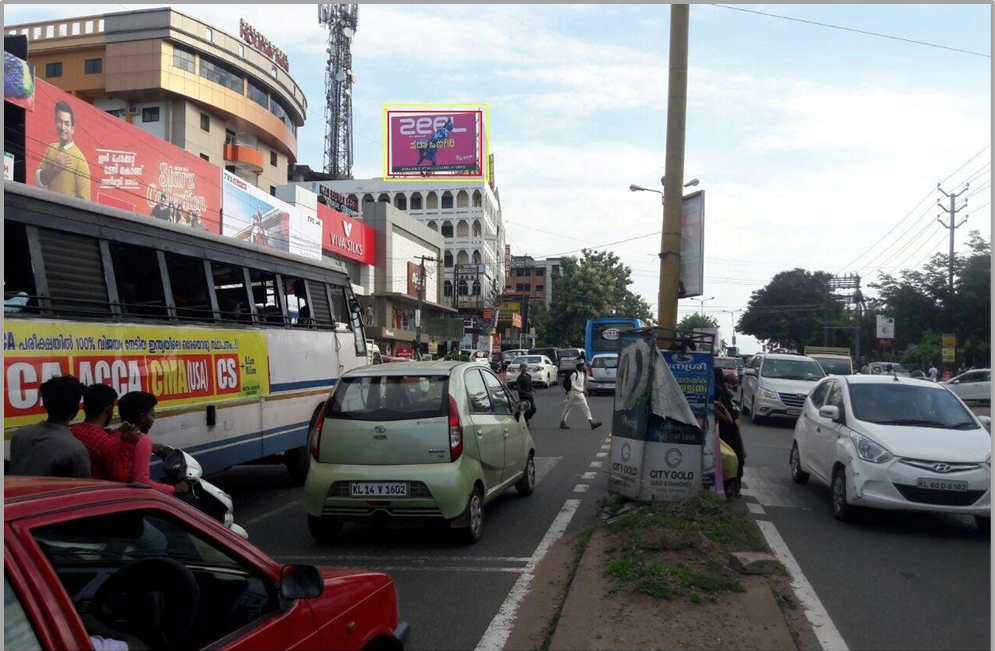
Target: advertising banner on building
346,237
692,280
76,149
434,141
8,166
885,327
18,82
179,366
253,216
414,279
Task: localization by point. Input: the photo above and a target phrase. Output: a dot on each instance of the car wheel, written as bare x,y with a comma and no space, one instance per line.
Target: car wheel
841,510
984,524
798,475
527,484
475,514
742,404
324,529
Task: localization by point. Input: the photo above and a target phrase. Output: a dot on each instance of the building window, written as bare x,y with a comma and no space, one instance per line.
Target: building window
88,27
519,272
209,34
150,114
205,157
475,290
540,288
447,288
556,270
447,200
272,158
463,288
416,201
184,60
53,70
222,74
118,113
277,109
448,259
241,50
75,29
540,272
258,95
272,70
205,122
230,137
528,287
93,66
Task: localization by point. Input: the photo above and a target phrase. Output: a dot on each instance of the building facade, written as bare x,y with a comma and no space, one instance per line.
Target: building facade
467,214
527,276
180,79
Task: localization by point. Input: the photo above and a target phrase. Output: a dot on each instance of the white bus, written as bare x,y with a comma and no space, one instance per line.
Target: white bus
239,343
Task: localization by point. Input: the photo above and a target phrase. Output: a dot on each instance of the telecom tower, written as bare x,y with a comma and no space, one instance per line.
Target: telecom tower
340,21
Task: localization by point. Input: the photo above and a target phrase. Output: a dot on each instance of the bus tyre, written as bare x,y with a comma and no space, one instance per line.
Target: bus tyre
298,461
323,529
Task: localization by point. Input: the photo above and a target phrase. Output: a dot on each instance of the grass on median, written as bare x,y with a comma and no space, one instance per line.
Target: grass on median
673,549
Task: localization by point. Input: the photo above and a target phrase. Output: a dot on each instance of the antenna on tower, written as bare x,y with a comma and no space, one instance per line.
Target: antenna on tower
340,21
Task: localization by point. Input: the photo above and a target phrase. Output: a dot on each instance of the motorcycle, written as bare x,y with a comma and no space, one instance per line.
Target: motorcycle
179,466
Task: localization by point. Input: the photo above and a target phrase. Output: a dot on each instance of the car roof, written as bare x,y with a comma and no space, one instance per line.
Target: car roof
884,379
434,367
787,356
579,350
604,355
32,495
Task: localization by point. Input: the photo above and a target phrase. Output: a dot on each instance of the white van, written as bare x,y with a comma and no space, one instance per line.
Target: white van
776,385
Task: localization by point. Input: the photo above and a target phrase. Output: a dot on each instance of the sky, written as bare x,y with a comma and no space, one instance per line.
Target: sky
816,148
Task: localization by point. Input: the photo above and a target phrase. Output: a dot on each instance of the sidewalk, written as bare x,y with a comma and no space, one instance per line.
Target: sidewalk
658,578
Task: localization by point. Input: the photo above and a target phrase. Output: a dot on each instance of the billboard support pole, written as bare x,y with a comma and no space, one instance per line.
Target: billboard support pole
670,241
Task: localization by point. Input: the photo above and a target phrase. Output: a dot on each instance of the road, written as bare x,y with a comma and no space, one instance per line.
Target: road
449,592
888,580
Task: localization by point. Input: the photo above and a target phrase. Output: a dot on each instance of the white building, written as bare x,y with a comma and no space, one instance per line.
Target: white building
466,213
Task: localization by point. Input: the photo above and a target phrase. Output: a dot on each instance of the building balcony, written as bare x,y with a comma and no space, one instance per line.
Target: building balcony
244,157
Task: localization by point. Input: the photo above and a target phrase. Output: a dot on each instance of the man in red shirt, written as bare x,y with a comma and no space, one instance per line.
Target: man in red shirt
138,408
111,454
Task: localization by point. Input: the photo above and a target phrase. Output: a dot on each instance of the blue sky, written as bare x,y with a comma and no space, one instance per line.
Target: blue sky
811,143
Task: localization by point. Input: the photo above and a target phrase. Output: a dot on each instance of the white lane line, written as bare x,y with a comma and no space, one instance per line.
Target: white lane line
409,559
829,637
544,465
500,627
269,514
601,454
747,492
596,464
588,475
755,508
440,568
581,488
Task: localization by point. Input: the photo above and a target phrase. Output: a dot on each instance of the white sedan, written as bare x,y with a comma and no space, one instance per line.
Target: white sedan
542,370
899,444
973,385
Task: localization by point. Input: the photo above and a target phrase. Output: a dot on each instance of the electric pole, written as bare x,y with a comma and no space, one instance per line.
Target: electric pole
670,241
421,299
952,226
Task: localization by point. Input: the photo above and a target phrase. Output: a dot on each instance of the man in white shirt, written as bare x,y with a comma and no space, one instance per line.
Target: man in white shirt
933,373
576,398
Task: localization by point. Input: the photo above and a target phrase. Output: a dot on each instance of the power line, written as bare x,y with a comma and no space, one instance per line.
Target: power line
855,30
600,246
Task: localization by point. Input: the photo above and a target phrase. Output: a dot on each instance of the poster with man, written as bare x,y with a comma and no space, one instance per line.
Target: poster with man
63,168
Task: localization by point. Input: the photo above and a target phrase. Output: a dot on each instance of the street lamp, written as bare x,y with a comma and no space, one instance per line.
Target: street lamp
639,188
732,317
702,302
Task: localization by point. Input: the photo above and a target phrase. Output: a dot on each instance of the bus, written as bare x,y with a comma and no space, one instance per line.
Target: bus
240,343
602,334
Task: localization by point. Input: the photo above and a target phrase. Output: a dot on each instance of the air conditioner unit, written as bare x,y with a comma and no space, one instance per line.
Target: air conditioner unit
132,109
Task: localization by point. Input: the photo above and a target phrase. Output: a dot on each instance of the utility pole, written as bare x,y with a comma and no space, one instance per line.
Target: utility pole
421,300
952,226
670,240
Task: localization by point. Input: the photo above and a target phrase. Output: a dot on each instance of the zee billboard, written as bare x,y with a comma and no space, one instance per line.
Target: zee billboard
421,142
76,149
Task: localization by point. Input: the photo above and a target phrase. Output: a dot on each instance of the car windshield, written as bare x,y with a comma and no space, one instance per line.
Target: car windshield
605,362
835,366
531,359
389,397
792,369
904,403
511,354
725,363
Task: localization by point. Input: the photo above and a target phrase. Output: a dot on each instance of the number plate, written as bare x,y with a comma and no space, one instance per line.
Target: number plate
941,485
369,489
794,412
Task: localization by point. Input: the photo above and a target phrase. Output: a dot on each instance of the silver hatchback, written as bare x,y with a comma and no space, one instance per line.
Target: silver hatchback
601,373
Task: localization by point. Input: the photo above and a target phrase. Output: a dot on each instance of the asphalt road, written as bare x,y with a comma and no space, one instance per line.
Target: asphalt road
888,580
449,592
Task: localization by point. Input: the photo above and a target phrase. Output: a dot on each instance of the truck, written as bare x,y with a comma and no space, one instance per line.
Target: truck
834,361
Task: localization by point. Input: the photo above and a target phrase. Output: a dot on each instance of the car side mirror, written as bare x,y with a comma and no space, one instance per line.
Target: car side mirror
301,582
986,422
750,371
830,412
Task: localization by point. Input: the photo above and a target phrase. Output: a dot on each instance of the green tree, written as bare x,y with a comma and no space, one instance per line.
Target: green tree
594,285
693,321
790,311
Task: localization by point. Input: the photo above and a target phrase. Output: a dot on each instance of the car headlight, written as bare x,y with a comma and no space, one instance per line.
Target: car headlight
768,394
868,450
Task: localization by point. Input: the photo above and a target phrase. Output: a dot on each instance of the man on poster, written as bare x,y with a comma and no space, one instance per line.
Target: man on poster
63,169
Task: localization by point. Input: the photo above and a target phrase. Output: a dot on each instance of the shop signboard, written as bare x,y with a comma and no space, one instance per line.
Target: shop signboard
74,148
253,216
336,200
343,236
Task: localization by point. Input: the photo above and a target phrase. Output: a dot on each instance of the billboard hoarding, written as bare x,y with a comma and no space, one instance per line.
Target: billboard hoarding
692,278
180,366
414,279
949,341
885,327
346,237
82,151
430,140
949,355
18,82
253,216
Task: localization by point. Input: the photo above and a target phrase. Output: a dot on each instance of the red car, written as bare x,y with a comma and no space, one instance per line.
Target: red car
86,559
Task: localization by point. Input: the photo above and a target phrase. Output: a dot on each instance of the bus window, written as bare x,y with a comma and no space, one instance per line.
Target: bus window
189,285
320,310
295,296
340,313
18,277
139,280
264,294
233,299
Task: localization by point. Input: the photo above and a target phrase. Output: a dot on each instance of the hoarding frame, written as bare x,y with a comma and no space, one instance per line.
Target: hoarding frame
485,121
692,279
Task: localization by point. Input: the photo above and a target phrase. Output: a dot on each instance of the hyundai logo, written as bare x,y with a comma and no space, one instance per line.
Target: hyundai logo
941,467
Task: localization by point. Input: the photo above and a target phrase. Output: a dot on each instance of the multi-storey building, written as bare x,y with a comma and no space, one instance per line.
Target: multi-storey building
182,80
527,276
468,216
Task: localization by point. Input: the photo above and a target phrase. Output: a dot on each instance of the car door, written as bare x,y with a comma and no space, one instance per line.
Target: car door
750,382
825,432
975,385
488,428
503,407
809,420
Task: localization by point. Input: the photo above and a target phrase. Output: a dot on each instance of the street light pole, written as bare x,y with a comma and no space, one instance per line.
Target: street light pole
701,301
732,319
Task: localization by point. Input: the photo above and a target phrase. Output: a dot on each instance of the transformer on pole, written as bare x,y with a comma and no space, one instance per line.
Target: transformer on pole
340,21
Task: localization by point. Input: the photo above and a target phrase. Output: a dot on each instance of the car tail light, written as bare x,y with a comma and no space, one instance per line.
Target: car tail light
314,441
455,431
536,369
590,371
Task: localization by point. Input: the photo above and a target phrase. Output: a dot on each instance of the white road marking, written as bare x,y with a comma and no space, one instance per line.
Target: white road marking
497,632
269,514
746,492
595,464
755,508
826,632
601,454
588,475
581,488
410,559
544,465
441,568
